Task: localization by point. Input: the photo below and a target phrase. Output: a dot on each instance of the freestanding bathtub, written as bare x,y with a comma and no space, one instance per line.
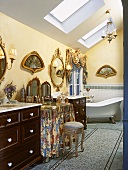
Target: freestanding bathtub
103,109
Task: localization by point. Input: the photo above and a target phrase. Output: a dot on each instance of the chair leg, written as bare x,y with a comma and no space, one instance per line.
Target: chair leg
70,141
76,144
82,141
63,139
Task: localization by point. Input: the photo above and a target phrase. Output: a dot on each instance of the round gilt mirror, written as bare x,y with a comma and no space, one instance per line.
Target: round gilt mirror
57,70
3,59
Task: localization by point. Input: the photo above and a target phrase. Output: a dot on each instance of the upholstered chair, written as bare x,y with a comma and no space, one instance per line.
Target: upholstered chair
73,130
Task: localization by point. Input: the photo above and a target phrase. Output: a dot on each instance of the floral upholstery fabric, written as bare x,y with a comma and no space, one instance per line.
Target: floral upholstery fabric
52,122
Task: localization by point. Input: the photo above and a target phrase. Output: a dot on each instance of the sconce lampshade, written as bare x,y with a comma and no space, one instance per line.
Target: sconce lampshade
13,52
68,67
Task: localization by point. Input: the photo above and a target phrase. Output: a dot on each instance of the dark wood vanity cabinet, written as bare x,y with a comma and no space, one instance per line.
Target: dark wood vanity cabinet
79,105
19,138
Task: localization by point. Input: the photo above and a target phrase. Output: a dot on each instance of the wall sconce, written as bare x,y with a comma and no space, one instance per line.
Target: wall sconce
68,63
68,69
110,33
12,54
3,58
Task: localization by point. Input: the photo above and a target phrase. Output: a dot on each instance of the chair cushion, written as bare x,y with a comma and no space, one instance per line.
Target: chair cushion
73,125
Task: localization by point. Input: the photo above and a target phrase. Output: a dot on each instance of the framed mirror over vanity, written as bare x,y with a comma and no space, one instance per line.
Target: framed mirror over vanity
37,92
45,89
57,70
33,90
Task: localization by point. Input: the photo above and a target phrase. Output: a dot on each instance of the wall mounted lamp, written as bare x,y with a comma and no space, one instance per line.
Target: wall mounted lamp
68,63
3,56
12,54
110,32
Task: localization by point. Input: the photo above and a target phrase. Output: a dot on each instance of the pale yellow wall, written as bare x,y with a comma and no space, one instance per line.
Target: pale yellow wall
26,40
106,53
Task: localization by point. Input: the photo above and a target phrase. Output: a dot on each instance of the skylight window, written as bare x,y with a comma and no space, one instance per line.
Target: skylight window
94,36
67,8
71,13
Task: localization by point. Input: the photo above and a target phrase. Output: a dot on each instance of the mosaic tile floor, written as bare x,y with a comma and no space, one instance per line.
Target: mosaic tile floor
117,161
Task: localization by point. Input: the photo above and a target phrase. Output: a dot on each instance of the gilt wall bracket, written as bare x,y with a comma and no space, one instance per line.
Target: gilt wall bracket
33,62
106,71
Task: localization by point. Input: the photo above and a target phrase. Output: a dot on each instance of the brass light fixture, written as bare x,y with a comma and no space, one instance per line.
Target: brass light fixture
110,33
12,54
68,63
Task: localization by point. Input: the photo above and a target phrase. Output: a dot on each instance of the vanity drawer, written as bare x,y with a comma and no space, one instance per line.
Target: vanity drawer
30,130
10,138
9,119
76,110
83,101
21,157
83,110
75,102
29,114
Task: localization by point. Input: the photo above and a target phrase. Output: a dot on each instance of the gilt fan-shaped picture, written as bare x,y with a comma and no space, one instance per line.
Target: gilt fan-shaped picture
106,71
33,62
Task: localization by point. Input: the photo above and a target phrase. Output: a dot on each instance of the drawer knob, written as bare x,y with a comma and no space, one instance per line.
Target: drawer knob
31,131
9,120
9,139
83,109
10,164
31,114
76,112
31,151
77,102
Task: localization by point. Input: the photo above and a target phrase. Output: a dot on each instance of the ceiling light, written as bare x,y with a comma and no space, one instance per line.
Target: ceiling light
110,33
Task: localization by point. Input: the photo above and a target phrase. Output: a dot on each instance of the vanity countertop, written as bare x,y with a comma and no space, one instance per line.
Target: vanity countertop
72,97
75,97
19,105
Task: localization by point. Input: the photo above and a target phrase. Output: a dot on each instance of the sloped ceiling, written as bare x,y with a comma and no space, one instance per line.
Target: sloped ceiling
32,13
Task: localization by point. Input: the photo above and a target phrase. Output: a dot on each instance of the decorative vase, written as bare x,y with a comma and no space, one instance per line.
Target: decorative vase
9,96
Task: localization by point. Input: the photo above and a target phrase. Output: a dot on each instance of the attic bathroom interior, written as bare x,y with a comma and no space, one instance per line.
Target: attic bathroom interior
71,62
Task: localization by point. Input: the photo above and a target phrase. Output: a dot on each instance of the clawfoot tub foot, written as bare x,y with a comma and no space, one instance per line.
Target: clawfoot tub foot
112,120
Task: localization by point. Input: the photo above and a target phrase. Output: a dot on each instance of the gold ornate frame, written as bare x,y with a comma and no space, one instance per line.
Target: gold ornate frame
29,85
3,62
57,56
33,62
106,71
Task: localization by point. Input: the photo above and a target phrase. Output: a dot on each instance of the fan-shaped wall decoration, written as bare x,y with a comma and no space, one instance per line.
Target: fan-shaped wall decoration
106,71
33,62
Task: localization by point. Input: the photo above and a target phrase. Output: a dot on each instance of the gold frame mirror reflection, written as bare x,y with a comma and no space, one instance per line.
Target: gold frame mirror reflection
3,59
57,70
45,89
33,87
